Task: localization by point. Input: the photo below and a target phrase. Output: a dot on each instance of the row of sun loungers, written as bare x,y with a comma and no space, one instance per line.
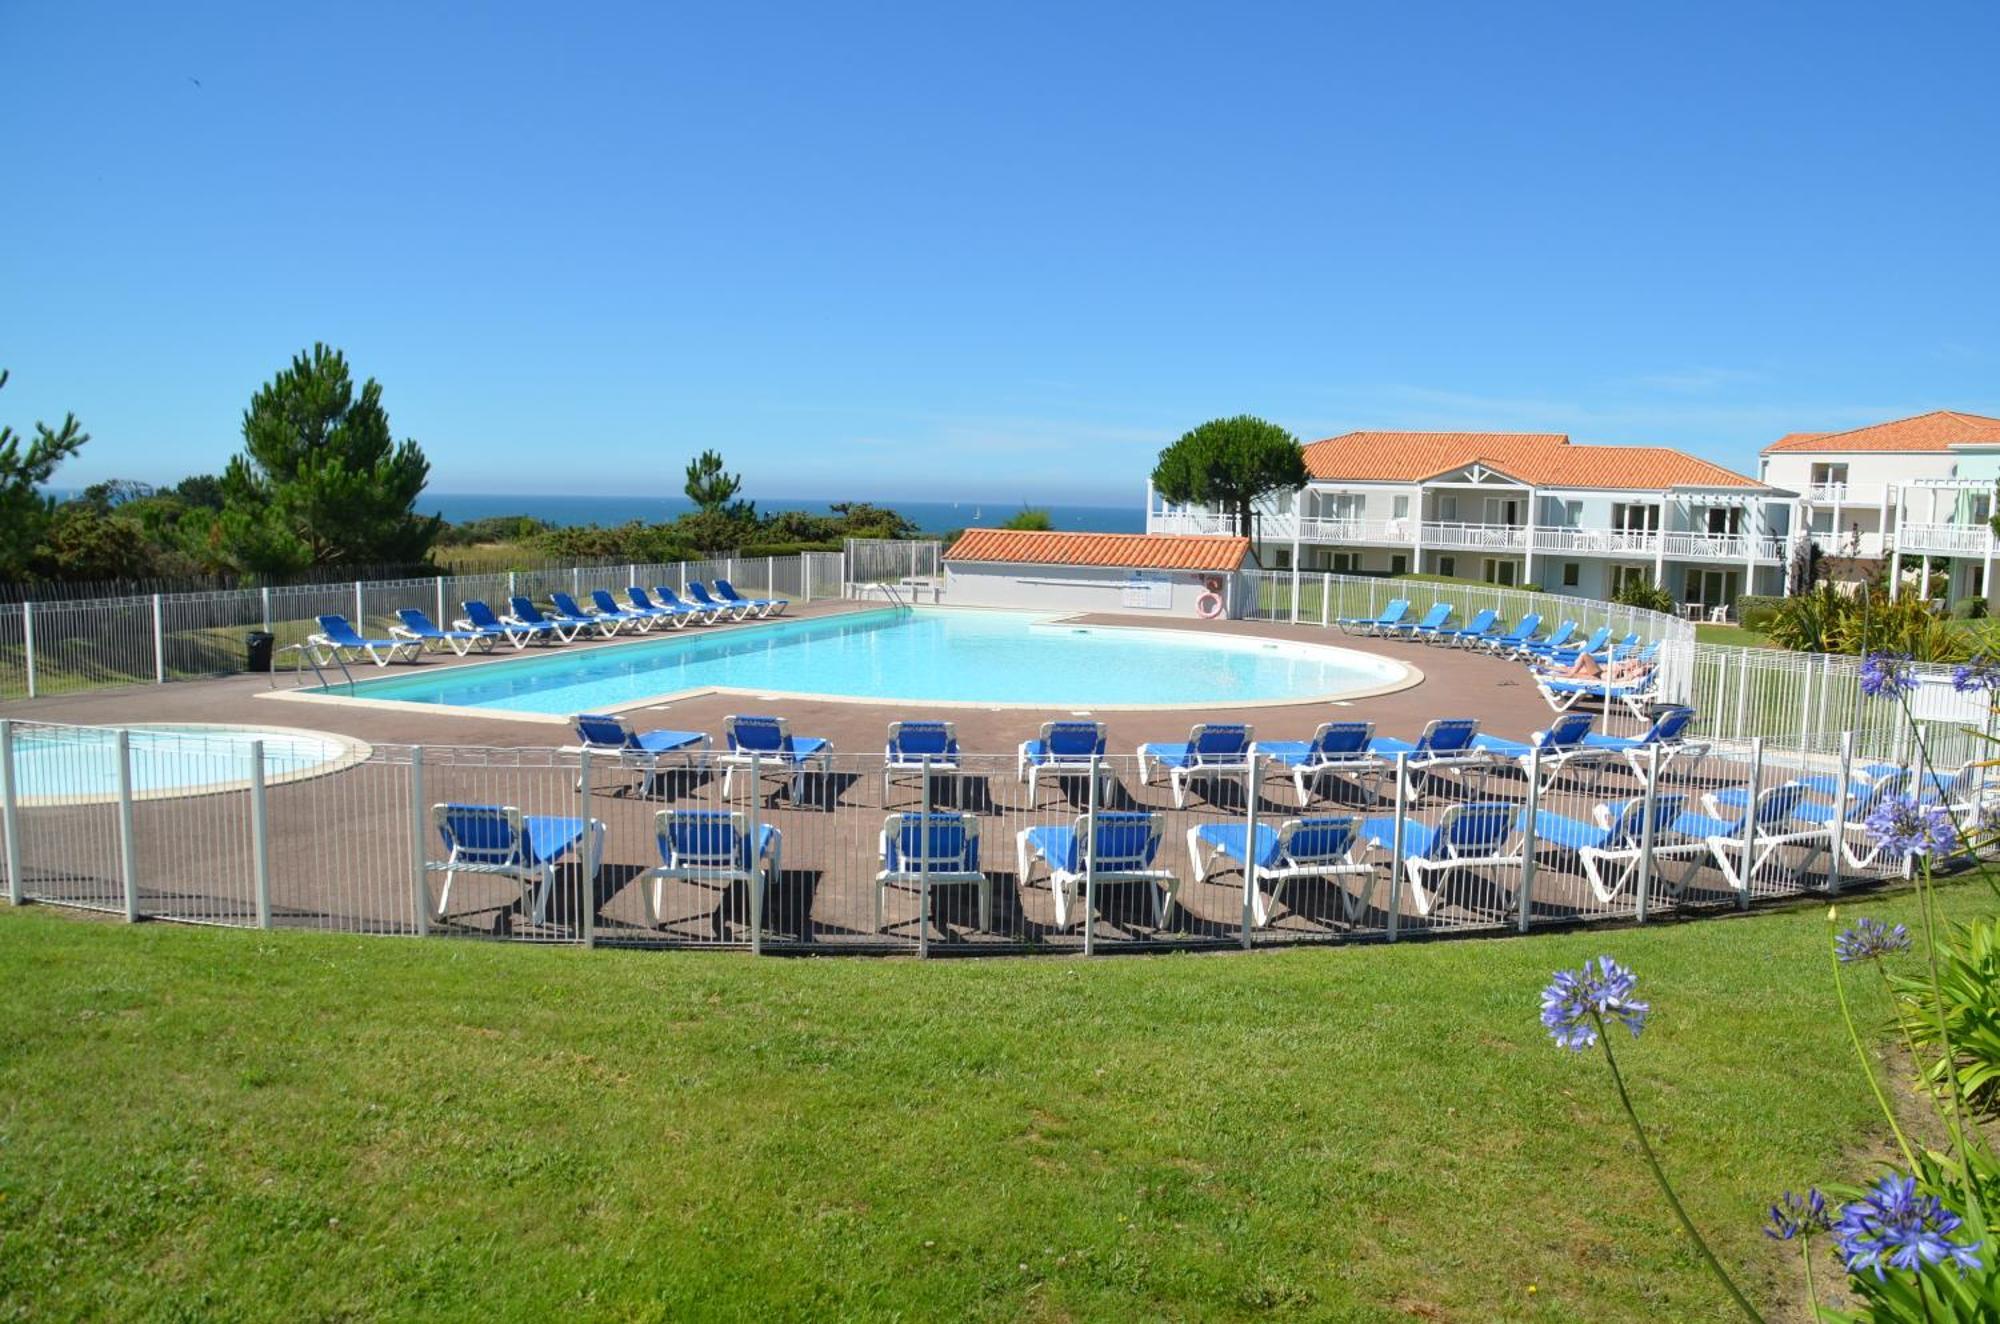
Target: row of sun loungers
525,622
935,847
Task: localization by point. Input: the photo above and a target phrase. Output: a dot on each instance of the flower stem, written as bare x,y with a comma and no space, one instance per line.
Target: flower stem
1659,1175
1867,1069
1812,1293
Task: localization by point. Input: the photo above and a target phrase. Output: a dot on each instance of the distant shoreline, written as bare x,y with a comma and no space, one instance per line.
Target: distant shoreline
931,516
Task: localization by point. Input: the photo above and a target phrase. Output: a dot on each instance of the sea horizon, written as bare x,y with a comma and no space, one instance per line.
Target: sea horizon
930,516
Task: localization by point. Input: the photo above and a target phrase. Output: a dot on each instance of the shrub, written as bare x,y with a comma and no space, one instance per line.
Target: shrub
1969,979
1648,597
1968,609
1757,612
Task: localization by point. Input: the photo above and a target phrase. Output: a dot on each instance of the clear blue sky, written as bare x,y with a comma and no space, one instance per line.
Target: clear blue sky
1002,254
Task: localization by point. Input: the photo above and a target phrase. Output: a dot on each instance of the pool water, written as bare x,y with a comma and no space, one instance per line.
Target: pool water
934,655
82,762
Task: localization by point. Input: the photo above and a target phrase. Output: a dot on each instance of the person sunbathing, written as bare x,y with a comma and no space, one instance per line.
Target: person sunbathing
1587,667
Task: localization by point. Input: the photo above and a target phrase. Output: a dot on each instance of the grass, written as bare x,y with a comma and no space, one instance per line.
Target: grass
232,1125
1732,636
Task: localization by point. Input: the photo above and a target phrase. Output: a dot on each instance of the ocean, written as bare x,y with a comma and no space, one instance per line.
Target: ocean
931,516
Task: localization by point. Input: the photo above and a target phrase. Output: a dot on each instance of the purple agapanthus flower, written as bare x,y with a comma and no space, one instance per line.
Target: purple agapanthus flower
1894,1226
1982,673
1887,675
1797,1216
1903,826
1604,988
1871,940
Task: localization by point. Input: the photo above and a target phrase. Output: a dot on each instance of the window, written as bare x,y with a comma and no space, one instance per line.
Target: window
1343,563
1399,565
1499,571
1572,574
1829,475
1448,509
1281,559
1400,508
1503,510
1634,517
1621,575
1975,580
1572,514
1448,566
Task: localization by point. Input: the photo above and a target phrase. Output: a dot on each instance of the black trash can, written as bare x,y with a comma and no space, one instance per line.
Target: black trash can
257,645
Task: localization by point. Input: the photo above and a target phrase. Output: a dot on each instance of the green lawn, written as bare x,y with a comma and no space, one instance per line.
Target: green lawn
1734,636
201,1124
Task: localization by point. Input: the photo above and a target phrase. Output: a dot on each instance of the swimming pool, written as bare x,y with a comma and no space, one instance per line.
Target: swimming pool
920,656
80,764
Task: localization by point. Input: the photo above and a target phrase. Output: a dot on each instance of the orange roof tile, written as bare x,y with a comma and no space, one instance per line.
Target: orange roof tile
1545,459
1138,551
1935,431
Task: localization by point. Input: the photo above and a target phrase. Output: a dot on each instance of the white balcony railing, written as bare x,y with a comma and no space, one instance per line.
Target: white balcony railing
1480,537
1188,522
1949,539
1846,494
1862,546
1599,542
1724,547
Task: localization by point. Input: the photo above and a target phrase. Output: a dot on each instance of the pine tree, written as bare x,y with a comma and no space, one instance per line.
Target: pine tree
24,511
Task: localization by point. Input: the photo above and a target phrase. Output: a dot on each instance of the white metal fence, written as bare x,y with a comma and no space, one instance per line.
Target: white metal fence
852,854
57,647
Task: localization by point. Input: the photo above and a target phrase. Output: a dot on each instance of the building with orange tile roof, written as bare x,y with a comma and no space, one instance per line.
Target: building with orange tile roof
1520,508
1173,574
1912,495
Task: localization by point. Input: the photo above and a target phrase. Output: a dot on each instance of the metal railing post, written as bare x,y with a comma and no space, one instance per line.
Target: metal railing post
159,644
1840,814
260,837
1395,920
360,609
1253,780
924,864
1642,897
442,623
28,642
586,888
751,820
1325,598
128,845
1750,818
264,604
420,883
1090,857
10,814
1531,817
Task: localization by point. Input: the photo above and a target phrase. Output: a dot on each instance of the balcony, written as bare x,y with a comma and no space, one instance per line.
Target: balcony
1868,546
1724,547
1598,542
1477,537
1323,529
1180,522
1944,539
1845,494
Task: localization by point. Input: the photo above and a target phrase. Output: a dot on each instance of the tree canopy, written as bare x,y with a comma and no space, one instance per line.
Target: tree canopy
320,480
24,512
1228,463
1029,519
708,485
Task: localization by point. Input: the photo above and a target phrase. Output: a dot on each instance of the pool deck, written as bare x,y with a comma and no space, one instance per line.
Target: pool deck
1456,683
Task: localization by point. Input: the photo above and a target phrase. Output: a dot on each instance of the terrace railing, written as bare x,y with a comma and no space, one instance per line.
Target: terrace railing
89,819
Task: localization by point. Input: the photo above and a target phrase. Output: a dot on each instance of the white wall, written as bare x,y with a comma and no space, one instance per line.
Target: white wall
1074,588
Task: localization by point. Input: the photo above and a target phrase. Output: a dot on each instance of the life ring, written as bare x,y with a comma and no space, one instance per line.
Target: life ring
1212,584
1208,606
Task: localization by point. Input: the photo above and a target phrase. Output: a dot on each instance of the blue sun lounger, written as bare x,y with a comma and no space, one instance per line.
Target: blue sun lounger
1485,623
648,752
1397,609
1668,732
502,841
767,744
520,633
1124,847
713,848
763,607
734,611
337,638
1433,620
1519,637
1565,741
599,623
1063,749
605,607
931,850
1336,747
419,628
676,617
1566,655
1617,837
1556,638
1296,848
1631,691
1469,836
1773,825
566,626
1447,744
1212,750
1858,846
918,747
701,615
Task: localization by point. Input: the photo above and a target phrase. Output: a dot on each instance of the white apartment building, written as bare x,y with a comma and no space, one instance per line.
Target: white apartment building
1916,493
1519,508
